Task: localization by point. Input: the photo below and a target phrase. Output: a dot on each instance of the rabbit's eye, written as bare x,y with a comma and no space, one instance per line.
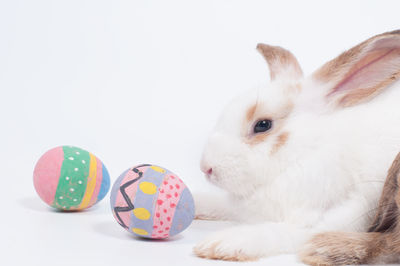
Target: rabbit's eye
262,126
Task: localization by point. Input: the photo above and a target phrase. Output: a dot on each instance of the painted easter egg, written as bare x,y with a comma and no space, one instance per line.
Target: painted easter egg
151,202
69,178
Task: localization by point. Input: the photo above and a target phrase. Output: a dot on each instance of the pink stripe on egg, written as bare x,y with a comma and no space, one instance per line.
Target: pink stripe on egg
47,173
99,179
168,198
130,191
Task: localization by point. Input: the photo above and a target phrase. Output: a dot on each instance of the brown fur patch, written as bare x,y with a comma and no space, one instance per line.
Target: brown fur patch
280,141
279,60
388,212
253,139
333,69
297,87
278,119
337,248
258,138
251,112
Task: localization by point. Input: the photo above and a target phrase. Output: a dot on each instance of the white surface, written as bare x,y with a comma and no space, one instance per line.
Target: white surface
139,82
94,238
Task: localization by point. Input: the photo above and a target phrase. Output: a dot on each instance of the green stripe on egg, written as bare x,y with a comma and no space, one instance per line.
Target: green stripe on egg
73,178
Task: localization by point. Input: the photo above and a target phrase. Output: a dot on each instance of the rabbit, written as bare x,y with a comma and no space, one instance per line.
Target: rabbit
303,157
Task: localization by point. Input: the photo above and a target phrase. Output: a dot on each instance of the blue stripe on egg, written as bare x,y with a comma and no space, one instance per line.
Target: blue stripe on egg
105,184
147,201
184,213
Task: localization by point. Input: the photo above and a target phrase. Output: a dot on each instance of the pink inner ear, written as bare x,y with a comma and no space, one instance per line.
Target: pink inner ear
373,69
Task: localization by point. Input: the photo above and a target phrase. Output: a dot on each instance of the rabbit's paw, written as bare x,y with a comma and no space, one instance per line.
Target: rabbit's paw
229,244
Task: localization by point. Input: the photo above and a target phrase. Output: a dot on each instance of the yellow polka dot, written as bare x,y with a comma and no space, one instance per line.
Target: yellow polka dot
139,231
141,213
148,188
158,169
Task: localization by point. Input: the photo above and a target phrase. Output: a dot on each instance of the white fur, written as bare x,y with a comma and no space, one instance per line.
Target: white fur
328,176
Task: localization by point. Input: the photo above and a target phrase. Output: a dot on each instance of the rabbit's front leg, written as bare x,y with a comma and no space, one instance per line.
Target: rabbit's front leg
212,207
251,242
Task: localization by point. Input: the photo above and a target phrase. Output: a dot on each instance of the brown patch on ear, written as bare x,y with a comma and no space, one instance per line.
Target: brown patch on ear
364,71
280,61
334,68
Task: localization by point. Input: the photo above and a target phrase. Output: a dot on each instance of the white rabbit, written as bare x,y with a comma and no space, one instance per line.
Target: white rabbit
303,155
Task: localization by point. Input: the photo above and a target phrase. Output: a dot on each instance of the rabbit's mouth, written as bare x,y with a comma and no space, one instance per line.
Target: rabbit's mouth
210,176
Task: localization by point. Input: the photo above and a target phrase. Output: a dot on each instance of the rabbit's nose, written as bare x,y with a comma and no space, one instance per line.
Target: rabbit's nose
206,169
208,172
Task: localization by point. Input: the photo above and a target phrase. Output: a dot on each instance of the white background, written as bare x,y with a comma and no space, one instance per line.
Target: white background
139,82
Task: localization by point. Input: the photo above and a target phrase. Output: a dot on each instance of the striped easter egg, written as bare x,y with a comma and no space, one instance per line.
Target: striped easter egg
151,202
69,178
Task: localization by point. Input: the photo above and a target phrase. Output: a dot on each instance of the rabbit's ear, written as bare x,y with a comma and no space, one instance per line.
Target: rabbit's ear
362,72
282,63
